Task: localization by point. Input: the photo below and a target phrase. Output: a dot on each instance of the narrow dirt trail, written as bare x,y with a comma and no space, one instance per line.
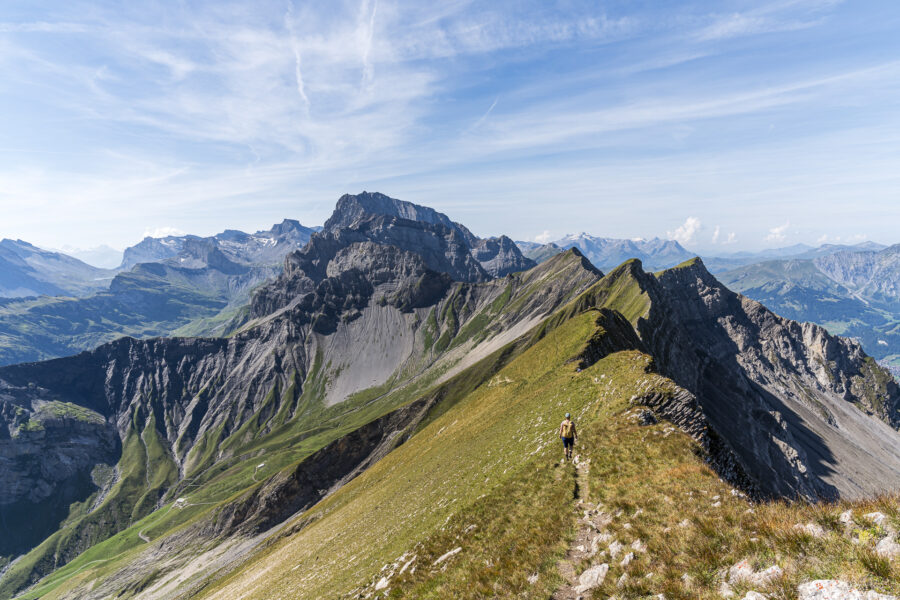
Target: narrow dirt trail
581,547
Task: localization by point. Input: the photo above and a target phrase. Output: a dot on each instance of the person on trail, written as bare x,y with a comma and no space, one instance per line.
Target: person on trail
568,435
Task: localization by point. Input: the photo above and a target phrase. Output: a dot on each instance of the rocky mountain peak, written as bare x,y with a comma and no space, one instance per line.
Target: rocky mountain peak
352,209
444,246
288,226
202,253
761,377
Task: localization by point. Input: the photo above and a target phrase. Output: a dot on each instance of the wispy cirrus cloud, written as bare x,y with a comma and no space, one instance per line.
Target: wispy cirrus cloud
765,18
738,25
472,105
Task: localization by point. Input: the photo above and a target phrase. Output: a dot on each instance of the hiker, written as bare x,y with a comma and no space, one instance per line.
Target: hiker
568,435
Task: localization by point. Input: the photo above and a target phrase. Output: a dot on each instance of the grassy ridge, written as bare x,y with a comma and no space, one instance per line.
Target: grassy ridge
695,528
488,441
481,474
484,478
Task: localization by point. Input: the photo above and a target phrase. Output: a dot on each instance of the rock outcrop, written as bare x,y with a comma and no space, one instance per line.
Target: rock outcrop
795,404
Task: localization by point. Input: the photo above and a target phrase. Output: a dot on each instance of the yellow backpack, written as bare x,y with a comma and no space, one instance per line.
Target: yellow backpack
568,429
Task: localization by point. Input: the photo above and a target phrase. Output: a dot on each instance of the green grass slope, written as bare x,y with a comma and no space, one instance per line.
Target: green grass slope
475,504
487,441
294,422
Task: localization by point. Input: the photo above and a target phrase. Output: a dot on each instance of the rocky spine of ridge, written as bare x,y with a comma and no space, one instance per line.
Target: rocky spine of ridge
676,404
806,413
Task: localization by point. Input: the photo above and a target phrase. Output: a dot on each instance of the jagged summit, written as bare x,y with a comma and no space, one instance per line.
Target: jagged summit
793,403
445,246
352,209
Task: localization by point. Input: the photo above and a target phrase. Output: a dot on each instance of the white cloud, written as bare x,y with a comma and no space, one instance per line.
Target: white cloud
778,234
686,233
731,238
543,237
856,238
767,17
161,232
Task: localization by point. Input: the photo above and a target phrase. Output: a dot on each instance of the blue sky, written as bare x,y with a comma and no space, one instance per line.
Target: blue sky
727,125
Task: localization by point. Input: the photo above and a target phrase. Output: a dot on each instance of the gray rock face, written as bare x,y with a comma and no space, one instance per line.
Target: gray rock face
873,275
791,401
444,246
352,210
47,453
500,256
351,279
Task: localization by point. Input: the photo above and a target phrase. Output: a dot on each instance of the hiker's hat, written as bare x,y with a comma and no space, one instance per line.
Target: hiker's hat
568,415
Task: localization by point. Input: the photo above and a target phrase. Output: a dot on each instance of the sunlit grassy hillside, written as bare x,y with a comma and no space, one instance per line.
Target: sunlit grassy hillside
483,484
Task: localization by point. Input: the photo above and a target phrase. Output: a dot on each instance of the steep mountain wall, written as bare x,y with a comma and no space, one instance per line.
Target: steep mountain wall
807,413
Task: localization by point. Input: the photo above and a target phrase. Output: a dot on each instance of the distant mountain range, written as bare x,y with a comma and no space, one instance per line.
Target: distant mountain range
26,270
187,284
855,293
657,253
607,253
724,262
387,411
260,248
